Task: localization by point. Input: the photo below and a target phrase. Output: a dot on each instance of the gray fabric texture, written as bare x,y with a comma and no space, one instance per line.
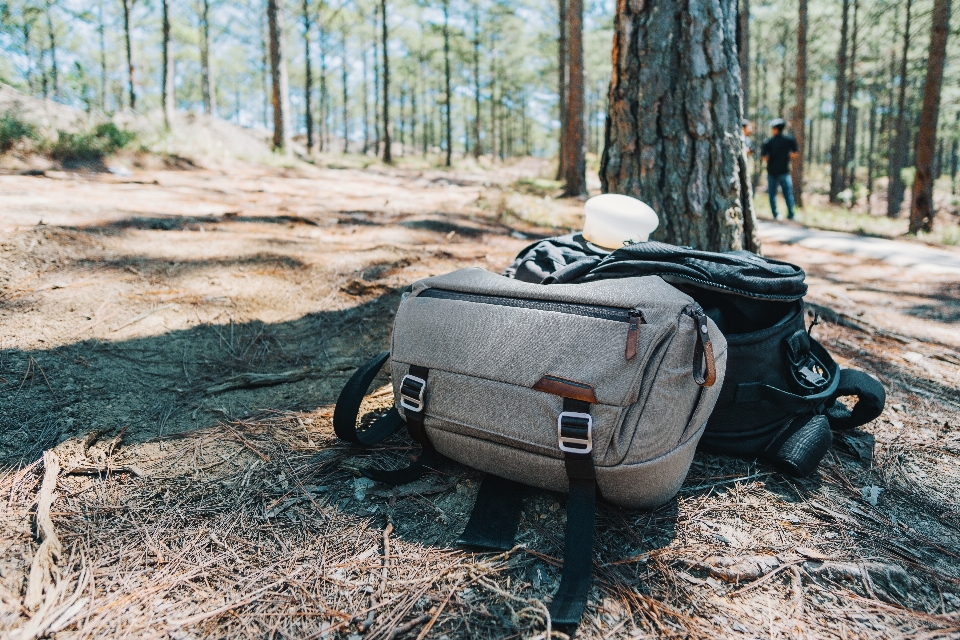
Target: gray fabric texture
484,359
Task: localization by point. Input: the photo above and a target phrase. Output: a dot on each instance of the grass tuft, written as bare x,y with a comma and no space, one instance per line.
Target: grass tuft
13,131
105,139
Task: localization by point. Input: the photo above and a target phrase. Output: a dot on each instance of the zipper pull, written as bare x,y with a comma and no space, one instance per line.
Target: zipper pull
633,333
704,365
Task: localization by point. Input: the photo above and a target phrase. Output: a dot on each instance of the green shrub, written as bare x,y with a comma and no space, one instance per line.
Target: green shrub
104,140
14,130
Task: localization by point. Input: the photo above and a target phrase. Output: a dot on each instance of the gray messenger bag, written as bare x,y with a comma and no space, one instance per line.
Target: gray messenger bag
597,388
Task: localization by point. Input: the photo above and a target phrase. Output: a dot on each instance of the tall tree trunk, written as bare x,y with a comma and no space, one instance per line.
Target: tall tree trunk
126,32
343,75
264,67
376,82
761,96
938,162
324,96
743,51
896,188
54,74
278,75
366,106
574,162
922,210
446,77
682,162
167,89
493,101
871,149
840,99
386,85
800,109
782,104
562,66
103,61
849,165
954,157
413,118
207,82
308,80
477,146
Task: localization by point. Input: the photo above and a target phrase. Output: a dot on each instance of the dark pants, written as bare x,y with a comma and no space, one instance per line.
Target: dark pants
785,183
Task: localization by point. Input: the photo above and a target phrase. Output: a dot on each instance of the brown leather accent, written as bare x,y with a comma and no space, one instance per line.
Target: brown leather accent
711,376
566,389
633,336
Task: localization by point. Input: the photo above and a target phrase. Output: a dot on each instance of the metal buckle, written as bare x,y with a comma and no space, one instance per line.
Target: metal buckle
571,443
411,397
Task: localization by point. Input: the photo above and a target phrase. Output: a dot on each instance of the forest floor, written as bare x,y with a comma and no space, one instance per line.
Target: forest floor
177,339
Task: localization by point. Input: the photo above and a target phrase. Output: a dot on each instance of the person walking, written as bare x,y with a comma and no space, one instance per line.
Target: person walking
777,151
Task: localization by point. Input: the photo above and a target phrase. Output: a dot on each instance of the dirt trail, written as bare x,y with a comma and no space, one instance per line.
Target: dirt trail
138,314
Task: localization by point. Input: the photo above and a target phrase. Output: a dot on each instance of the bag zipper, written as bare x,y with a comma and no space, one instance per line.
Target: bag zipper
634,317
704,364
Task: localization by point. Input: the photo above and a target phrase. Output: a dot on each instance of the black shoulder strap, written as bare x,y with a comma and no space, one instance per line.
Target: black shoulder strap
345,425
348,407
496,515
870,395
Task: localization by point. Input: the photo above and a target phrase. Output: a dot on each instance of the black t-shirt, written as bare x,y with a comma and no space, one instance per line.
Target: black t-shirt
777,152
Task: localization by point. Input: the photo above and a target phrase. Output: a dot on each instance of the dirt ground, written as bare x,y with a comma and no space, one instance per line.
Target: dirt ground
177,338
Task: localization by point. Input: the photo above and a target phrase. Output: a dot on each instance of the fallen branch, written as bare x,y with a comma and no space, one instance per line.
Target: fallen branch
253,380
41,569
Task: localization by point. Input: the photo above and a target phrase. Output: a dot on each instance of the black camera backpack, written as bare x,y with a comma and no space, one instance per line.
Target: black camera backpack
779,400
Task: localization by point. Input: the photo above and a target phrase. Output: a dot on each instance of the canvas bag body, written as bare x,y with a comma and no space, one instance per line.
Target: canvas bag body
501,353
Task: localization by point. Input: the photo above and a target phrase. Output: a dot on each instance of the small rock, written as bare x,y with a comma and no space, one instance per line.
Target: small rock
518,235
120,170
871,494
739,627
913,356
360,486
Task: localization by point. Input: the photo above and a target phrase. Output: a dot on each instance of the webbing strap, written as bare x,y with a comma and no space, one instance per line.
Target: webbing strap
415,418
496,515
570,600
348,407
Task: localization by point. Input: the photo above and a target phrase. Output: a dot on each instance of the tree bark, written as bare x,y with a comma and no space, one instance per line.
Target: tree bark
561,86
207,83
446,76
675,105
167,89
896,187
278,74
126,32
574,162
849,156
386,86
840,99
308,80
922,210
800,109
